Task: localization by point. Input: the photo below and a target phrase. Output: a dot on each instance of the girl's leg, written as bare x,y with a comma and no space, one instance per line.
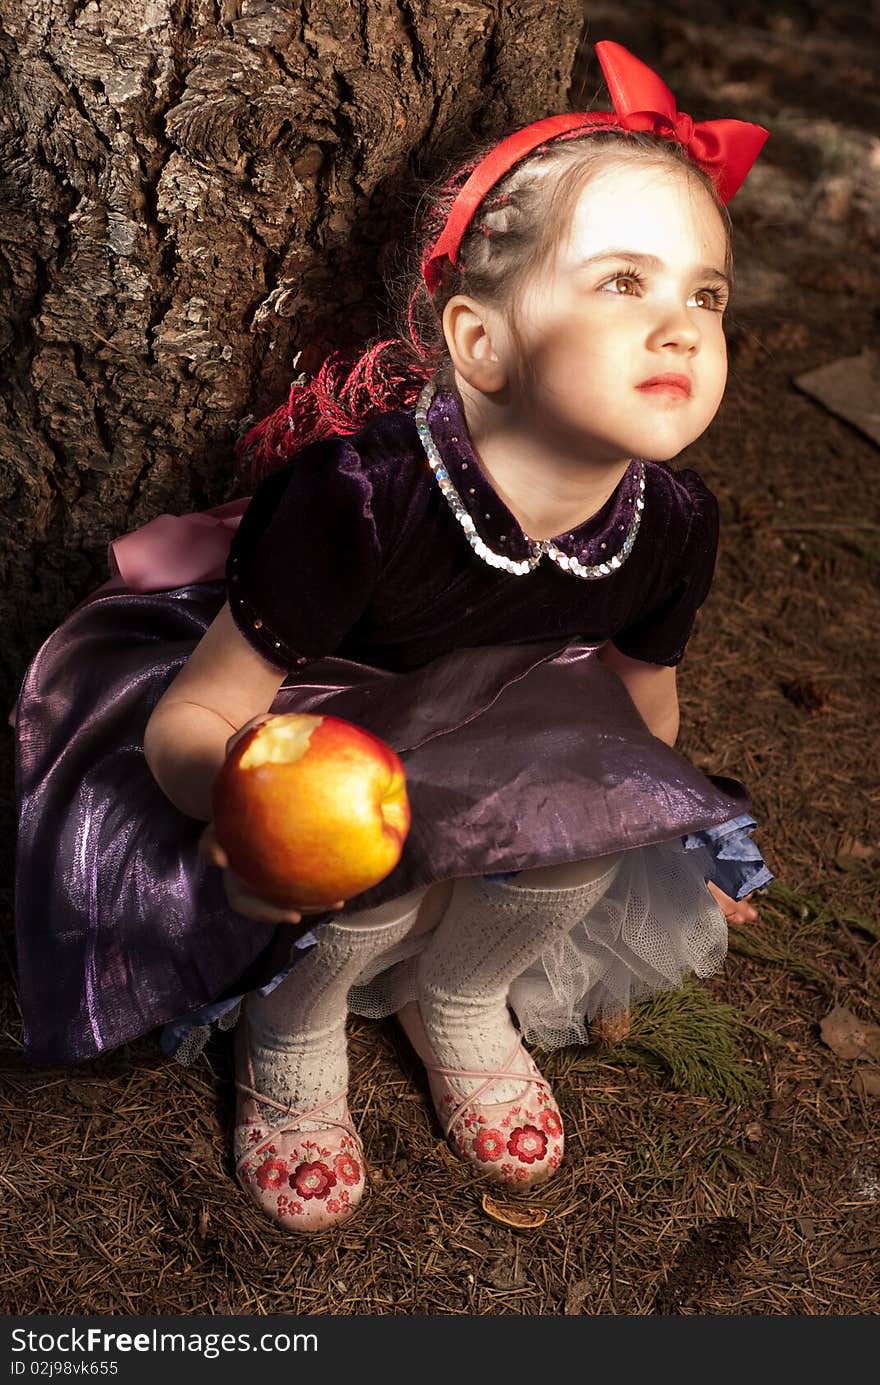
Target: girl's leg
297,1032
295,1144
490,933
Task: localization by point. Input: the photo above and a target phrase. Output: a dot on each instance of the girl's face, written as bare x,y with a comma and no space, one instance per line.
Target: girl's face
636,290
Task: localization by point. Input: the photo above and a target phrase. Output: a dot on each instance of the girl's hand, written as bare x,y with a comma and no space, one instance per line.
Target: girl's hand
240,897
734,910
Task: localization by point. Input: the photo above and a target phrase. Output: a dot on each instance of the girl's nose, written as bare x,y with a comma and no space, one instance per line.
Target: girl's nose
675,326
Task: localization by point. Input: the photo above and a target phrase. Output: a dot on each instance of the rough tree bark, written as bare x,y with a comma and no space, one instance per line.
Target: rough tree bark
194,191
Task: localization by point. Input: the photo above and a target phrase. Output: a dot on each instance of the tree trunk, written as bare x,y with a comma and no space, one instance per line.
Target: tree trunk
194,192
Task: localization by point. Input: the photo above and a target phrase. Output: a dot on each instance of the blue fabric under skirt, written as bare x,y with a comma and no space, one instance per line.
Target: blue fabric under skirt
516,756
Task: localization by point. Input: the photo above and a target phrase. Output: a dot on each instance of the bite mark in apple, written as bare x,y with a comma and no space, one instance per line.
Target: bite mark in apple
282,741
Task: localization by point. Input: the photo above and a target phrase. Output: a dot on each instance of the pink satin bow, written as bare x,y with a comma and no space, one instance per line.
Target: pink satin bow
176,550
725,149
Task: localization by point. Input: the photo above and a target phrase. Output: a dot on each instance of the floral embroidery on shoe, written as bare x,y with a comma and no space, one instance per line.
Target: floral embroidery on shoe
313,1180
347,1168
527,1143
271,1173
489,1145
550,1123
289,1208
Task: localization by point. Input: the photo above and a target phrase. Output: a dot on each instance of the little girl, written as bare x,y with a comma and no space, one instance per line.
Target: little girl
476,549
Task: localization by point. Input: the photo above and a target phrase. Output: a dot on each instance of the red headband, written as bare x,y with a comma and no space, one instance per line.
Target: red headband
725,149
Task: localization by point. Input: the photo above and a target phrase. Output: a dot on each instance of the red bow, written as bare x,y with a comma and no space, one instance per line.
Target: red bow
725,149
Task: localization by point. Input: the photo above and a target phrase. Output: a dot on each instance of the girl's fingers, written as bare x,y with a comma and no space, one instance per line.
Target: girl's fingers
242,900
255,908
208,845
210,848
742,913
735,911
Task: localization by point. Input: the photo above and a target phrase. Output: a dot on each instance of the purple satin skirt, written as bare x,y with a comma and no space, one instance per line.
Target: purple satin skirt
516,756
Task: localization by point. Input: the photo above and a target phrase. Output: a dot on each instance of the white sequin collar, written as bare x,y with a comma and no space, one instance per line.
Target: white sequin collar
538,548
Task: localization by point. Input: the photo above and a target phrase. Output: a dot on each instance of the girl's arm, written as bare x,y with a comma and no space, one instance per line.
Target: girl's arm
652,688
223,684
654,691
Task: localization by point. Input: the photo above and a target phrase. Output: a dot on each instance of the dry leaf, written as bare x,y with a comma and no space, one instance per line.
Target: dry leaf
575,1296
866,1081
848,388
851,854
84,1093
504,1272
611,1029
200,1150
522,1218
834,198
848,1036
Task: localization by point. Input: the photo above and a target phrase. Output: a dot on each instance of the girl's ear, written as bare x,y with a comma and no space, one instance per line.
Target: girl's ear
469,330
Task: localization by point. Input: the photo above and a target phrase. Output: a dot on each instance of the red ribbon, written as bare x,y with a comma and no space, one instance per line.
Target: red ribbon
725,149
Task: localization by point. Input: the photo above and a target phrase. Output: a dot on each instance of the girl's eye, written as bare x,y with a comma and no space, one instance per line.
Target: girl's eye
714,299
630,278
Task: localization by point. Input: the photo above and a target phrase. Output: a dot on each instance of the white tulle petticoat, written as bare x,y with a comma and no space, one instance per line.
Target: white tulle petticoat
656,924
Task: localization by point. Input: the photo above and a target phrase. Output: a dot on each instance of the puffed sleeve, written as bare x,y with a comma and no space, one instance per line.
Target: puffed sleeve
305,558
660,633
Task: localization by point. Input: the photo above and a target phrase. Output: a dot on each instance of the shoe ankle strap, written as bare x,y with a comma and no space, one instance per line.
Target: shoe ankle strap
297,1118
502,1074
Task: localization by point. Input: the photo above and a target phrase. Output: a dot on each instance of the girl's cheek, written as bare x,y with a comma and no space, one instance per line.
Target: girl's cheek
723,367
719,357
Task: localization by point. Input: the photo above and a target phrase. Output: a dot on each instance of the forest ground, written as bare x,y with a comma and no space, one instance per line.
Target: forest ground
727,1160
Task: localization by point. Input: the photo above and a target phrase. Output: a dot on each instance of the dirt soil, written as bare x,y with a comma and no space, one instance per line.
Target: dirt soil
117,1188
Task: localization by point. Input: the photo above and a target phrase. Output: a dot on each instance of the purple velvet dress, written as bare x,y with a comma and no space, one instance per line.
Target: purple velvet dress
349,571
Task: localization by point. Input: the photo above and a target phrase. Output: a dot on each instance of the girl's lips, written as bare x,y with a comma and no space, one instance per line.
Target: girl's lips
667,384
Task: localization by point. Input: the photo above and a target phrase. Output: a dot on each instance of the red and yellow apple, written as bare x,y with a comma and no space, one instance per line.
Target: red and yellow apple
310,809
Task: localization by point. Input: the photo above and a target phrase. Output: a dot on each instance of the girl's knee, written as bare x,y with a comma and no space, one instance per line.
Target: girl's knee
428,904
433,906
569,874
